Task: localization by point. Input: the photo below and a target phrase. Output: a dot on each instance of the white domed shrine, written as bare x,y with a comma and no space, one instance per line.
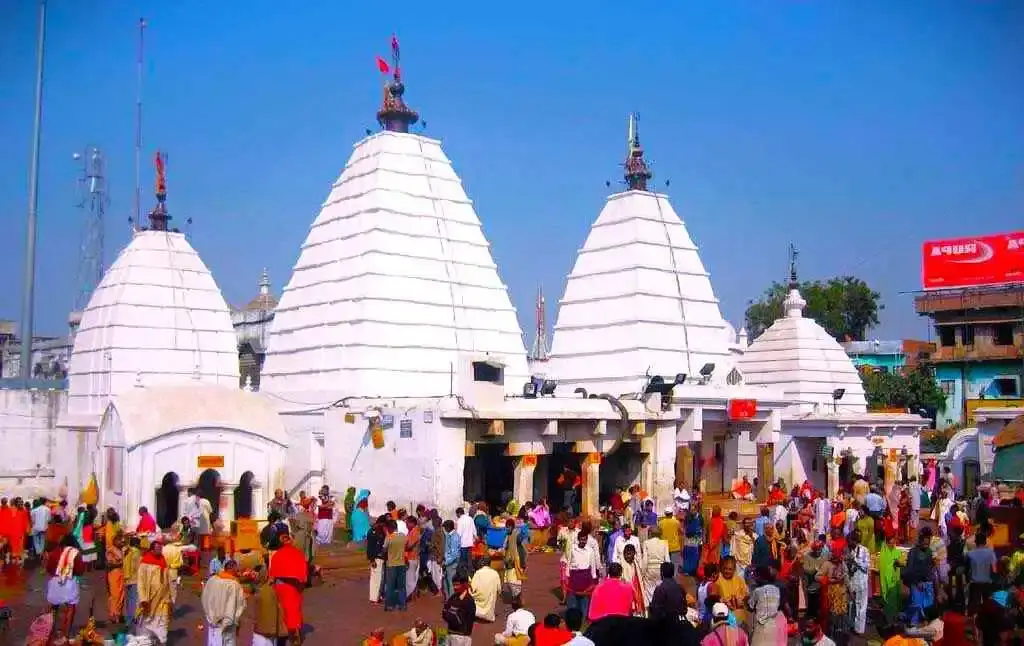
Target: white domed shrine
395,292
799,356
157,317
638,300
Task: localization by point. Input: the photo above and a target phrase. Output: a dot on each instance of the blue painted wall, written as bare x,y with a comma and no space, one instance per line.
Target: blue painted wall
971,381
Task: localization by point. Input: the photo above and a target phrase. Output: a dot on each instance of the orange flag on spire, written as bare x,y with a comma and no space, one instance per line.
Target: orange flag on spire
382,65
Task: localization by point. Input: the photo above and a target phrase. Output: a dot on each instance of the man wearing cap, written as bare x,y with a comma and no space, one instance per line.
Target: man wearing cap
223,605
672,533
722,634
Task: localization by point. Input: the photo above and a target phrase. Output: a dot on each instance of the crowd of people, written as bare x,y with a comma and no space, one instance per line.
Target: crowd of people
806,566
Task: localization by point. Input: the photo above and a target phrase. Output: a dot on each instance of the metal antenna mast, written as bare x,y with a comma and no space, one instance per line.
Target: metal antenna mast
28,297
138,127
93,201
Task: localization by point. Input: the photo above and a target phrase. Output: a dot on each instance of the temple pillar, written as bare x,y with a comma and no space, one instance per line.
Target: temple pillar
591,476
765,469
684,466
225,509
522,479
259,502
832,464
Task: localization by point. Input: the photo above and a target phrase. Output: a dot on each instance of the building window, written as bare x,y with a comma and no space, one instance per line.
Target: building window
1005,386
1002,334
947,336
968,334
948,387
483,371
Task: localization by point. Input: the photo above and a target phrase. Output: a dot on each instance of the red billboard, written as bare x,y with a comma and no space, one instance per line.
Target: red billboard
972,262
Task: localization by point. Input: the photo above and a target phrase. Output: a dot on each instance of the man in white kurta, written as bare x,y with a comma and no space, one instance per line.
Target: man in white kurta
485,586
223,605
858,562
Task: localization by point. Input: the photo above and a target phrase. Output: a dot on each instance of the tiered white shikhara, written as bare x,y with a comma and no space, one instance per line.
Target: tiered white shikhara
394,285
157,317
799,356
638,301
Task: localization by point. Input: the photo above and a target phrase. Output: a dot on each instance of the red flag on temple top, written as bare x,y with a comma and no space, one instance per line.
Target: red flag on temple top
382,65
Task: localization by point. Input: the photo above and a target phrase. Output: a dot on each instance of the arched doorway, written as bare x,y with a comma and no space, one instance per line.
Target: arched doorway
243,496
167,499
209,487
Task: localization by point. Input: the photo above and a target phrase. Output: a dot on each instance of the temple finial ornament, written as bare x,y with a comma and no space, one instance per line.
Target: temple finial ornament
636,171
394,115
794,304
158,217
793,253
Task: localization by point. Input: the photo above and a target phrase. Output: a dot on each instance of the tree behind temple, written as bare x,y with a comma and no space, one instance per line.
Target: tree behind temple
845,306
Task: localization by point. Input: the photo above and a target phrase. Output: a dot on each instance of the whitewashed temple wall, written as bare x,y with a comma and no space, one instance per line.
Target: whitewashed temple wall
305,465
798,459
143,467
37,456
422,459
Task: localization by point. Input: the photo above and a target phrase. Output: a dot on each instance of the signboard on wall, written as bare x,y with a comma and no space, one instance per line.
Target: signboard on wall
210,462
742,409
972,262
975,404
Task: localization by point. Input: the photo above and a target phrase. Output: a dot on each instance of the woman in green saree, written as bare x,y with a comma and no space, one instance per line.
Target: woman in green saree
349,504
889,577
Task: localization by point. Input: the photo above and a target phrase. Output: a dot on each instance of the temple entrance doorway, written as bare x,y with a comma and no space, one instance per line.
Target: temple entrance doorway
488,475
845,469
619,469
168,497
565,469
712,464
243,496
209,487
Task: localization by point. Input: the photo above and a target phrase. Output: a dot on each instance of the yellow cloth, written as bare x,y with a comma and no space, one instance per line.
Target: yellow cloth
154,587
172,553
132,558
485,587
670,528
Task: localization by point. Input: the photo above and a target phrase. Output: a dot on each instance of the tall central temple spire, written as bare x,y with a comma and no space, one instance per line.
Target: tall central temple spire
394,115
158,217
636,172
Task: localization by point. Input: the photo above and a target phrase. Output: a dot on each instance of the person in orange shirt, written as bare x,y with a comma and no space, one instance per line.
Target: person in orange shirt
21,523
743,490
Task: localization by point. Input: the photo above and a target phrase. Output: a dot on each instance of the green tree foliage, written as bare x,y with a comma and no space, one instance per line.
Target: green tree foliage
914,390
845,306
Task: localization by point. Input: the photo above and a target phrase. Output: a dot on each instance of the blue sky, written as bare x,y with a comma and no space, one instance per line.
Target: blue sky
854,129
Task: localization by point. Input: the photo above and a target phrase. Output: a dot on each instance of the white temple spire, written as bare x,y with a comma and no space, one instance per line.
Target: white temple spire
794,304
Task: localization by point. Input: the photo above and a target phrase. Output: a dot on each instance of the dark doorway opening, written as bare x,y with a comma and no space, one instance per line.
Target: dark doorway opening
498,474
243,496
846,470
209,487
563,461
167,498
619,470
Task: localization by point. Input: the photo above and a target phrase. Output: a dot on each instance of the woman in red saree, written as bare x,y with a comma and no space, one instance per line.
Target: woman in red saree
289,572
715,538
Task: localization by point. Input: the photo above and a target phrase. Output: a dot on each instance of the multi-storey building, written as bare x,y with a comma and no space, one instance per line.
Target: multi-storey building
979,355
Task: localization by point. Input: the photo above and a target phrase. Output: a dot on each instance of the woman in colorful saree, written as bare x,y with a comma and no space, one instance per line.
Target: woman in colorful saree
715,539
515,560
359,521
64,564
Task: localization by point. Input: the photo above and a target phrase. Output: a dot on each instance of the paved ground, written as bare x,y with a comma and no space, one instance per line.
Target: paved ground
337,612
